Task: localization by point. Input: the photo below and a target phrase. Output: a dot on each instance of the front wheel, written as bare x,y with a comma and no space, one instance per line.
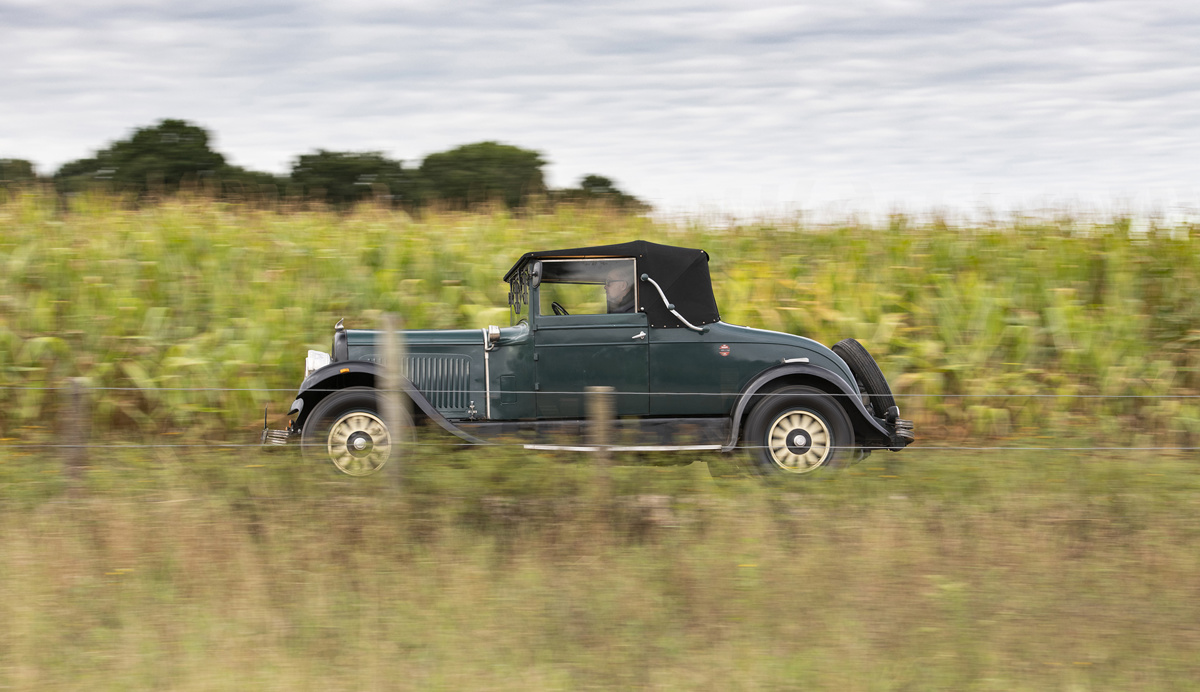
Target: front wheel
347,429
796,430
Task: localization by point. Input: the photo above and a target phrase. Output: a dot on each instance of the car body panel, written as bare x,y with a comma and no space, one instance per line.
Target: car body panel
694,373
869,430
446,365
574,352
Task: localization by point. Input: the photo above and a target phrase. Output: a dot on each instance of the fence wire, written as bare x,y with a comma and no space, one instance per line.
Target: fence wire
16,443
544,392
10,444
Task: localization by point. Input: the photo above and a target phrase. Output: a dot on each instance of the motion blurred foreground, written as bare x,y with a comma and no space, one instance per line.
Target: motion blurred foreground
189,566
502,570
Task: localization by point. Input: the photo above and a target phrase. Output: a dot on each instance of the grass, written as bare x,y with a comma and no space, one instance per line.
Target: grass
505,571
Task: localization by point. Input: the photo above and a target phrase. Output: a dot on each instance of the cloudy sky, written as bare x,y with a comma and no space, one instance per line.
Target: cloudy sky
696,106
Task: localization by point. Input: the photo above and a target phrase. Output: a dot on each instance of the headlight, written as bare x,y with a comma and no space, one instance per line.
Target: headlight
315,361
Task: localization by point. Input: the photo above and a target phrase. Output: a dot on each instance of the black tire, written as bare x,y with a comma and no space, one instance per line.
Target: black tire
794,431
867,372
347,430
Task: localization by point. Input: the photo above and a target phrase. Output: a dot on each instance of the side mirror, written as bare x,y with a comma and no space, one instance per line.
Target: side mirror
535,276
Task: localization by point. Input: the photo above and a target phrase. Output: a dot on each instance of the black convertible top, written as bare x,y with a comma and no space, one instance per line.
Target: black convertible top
681,272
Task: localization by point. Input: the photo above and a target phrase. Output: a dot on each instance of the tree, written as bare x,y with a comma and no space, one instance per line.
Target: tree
236,181
482,172
598,185
158,158
597,188
16,172
342,178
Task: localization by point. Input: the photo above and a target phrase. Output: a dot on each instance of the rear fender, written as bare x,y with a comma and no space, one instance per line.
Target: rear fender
866,426
361,373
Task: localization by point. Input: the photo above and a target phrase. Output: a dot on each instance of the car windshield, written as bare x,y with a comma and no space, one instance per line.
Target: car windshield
588,287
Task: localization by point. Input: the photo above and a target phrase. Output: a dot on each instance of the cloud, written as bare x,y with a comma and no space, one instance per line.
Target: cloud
691,103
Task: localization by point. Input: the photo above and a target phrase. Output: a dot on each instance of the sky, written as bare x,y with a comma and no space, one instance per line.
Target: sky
698,107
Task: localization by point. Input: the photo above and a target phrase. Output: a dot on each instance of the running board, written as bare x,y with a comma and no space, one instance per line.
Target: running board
624,448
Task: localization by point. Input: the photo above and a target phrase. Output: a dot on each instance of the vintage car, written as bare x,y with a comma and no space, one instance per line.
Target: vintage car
638,317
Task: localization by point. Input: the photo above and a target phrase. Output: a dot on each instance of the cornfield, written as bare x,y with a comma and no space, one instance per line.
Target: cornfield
186,315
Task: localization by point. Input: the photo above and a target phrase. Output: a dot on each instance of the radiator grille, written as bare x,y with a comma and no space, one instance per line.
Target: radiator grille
444,380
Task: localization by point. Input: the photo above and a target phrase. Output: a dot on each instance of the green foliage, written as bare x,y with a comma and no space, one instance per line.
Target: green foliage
484,172
344,178
597,185
597,189
978,330
235,182
153,159
15,172
175,154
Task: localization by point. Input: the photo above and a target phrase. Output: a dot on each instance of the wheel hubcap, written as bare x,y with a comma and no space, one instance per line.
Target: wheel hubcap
799,441
359,443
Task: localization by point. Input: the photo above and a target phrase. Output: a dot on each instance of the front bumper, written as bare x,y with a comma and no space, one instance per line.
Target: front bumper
902,430
902,434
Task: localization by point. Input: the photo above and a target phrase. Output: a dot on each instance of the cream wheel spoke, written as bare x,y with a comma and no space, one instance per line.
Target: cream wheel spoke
799,441
359,443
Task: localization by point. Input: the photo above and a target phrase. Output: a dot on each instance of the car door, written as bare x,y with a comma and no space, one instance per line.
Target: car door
597,348
573,352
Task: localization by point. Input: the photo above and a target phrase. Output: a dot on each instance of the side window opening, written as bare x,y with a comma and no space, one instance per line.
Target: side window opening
588,287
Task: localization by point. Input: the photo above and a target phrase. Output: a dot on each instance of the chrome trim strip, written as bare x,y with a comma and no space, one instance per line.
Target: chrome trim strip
487,373
795,360
624,448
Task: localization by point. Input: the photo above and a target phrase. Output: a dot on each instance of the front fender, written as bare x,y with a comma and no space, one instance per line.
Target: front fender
865,424
360,373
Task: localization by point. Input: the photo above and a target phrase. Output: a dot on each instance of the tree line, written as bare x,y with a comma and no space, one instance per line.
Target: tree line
175,154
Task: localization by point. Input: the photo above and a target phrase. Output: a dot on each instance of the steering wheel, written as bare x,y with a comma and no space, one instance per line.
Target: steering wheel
558,309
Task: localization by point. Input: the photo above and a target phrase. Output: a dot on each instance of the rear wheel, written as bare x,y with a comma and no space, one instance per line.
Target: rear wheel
797,430
347,429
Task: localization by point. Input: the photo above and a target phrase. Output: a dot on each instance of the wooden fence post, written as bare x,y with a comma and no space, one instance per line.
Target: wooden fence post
600,428
393,405
77,432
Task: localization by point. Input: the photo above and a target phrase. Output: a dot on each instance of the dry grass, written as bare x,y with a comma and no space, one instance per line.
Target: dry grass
968,572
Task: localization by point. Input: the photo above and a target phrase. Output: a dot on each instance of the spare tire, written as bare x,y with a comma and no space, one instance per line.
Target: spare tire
868,374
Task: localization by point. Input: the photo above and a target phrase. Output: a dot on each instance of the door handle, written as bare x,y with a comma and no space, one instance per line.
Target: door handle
640,335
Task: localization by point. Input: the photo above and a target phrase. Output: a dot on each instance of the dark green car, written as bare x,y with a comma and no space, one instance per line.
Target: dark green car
638,317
